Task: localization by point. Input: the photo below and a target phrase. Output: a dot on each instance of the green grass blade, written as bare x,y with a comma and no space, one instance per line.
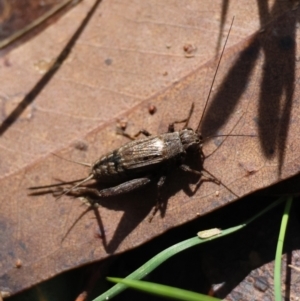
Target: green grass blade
157,260
163,290
277,266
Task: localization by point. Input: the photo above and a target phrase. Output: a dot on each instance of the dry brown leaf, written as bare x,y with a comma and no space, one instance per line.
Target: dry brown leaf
22,20
126,57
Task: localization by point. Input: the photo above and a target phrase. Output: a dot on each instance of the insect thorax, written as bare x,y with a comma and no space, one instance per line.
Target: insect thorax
190,139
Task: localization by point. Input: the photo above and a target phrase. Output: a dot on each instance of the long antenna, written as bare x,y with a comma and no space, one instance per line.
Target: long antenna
214,78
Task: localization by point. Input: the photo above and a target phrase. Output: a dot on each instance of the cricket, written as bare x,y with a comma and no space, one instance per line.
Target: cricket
150,159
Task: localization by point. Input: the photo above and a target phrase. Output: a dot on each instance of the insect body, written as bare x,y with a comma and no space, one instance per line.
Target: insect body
139,162
144,156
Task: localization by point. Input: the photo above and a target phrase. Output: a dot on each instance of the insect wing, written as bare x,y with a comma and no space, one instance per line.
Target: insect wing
142,153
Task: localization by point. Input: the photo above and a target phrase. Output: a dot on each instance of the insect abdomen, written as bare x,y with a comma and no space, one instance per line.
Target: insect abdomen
108,168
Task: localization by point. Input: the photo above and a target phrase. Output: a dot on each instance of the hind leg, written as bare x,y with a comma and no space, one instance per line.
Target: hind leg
107,192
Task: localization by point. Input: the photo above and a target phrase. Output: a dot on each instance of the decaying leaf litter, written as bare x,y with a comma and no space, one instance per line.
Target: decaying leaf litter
45,212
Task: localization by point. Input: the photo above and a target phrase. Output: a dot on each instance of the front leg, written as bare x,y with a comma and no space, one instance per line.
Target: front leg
203,177
188,169
210,178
